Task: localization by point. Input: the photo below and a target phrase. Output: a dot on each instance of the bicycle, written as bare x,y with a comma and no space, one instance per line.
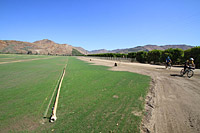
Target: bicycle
168,65
189,72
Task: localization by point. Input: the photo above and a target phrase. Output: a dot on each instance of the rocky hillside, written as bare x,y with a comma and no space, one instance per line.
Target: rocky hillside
100,51
82,50
45,47
48,47
140,48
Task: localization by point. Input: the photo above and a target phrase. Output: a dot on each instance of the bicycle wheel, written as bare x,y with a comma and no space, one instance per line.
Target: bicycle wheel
169,67
190,73
182,72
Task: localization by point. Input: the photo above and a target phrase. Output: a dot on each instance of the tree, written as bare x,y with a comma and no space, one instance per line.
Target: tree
165,54
195,53
187,54
177,55
154,56
141,56
29,52
131,55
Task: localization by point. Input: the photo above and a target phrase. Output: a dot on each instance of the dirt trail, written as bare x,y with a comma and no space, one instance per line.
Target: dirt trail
172,103
25,60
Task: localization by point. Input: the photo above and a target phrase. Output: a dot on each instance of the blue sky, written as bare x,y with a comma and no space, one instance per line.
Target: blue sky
102,24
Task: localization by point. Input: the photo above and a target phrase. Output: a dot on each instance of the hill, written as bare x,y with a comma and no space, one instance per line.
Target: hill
141,48
48,47
45,47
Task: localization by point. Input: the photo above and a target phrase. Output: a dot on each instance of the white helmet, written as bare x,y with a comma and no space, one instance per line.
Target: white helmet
191,59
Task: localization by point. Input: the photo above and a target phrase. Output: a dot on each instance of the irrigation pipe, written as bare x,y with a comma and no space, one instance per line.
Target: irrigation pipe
45,114
59,79
53,116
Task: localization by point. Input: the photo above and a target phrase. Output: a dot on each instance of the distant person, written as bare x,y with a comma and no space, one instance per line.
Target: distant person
189,64
168,61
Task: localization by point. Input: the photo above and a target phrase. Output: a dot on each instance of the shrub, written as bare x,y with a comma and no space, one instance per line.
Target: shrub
141,56
131,55
154,56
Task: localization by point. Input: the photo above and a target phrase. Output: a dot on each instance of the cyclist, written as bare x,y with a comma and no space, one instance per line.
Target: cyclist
189,64
168,61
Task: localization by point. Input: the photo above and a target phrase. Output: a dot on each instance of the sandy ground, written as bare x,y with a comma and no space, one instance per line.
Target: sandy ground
172,104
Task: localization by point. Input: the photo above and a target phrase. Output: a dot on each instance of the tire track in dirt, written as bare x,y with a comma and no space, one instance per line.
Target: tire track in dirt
172,104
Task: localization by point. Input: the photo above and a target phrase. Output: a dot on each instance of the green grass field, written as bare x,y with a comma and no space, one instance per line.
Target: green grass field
92,98
14,57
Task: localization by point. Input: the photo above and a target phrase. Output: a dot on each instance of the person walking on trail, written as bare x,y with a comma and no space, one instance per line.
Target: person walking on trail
189,64
168,61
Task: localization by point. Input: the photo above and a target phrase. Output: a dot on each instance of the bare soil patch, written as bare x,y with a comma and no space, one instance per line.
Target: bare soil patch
172,104
18,125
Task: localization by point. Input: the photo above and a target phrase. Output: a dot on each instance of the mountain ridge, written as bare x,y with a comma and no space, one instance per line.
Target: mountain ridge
45,47
148,47
49,47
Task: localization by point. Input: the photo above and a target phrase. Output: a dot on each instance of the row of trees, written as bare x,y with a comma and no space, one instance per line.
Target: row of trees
156,56
178,56
110,55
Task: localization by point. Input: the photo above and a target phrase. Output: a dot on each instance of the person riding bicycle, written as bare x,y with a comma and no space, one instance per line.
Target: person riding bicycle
189,64
168,61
